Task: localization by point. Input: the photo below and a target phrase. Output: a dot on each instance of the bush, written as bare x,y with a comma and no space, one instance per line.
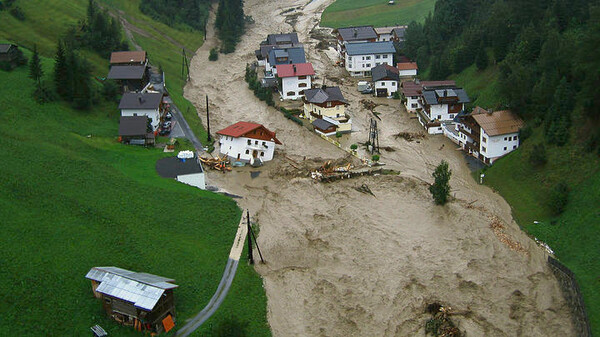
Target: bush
354,147
525,133
538,157
375,158
110,90
338,134
213,55
440,190
18,13
396,95
558,198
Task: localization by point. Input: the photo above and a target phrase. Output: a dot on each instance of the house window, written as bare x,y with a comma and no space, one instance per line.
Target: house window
515,137
384,56
393,84
514,147
483,139
264,144
256,142
451,116
505,148
249,142
329,104
302,85
368,58
483,149
262,154
504,138
349,58
290,93
301,92
414,105
303,77
377,56
368,65
439,117
247,151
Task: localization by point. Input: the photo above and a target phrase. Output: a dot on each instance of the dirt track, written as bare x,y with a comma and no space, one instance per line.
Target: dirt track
345,263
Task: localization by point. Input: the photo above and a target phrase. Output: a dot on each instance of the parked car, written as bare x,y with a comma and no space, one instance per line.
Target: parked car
166,125
168,116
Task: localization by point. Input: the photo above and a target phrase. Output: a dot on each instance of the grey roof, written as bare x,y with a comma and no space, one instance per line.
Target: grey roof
357,33
132,100
126,72
399,32
142,289
289,38
133,125
431,96
171,167
322,124
295,55
384,72
366,48
5,47
320,95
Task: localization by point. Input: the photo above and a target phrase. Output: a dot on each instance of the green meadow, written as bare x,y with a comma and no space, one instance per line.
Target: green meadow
74,198
344,13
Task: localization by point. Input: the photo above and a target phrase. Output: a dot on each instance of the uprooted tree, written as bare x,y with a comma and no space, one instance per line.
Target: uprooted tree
440,189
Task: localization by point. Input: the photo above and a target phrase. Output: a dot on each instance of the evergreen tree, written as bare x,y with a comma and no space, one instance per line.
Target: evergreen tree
481,60
440,190
35,68
61,71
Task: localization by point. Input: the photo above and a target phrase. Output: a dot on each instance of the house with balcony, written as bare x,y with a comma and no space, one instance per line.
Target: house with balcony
360,58
247,142
440,105
294,79
348,35
281,56
489,135
385,80
407,69
275,41
326,109
387,33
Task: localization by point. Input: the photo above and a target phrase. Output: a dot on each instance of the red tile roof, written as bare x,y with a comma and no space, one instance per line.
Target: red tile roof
240,129
298,69
407,66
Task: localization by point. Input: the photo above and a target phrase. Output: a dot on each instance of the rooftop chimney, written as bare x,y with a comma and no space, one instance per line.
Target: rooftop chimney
355,32
140,99
294,66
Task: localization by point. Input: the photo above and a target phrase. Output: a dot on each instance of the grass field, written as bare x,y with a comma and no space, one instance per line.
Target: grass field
70,202
344,13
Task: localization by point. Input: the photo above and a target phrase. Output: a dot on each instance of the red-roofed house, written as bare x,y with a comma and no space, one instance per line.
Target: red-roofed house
407,69
293,79
248,142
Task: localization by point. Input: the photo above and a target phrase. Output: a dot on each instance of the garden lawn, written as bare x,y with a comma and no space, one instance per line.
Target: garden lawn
74,198
345,13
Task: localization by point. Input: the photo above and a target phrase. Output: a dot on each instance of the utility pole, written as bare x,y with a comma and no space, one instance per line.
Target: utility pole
250,257
374,137
207,122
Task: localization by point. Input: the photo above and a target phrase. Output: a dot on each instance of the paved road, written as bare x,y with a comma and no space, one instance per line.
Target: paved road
223,288
189,134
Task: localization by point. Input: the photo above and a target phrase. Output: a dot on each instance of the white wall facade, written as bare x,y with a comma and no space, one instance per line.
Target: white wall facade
493,147
440,112
384,37
407,73
332,112
243,148
152,114
361,65
293,87
341,46
195,179
390,85
412,103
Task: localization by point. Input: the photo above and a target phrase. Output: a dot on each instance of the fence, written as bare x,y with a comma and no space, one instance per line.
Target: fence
572,294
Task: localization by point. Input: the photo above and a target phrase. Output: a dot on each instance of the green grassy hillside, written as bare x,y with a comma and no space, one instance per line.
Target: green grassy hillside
344,13
73,198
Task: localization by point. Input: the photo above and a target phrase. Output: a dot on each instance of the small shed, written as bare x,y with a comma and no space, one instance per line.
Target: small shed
134,130
188,171
141,300
10,56
324,127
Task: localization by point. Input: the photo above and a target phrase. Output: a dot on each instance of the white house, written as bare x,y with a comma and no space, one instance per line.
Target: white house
349,35
187,170
360,58
440,105
283,56
143,104
407,69
294,79
385,79
387,33
489,135
411,92
247,142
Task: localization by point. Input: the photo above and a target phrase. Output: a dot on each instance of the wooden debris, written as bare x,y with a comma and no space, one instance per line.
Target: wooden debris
368,104
217,163
364,189
498,228
409,136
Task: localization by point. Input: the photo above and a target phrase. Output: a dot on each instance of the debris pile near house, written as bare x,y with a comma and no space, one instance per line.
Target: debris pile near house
440,324
368,104
217,163
409,136
330,172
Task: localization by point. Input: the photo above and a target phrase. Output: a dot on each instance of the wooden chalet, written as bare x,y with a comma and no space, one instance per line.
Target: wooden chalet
143,301
130,77
10,56
132,58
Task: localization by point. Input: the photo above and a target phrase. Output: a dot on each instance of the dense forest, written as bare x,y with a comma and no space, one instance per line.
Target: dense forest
230,23
545,51
178,13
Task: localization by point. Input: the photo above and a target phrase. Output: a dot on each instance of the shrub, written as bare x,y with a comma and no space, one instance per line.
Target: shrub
396,95
525,133
18,13
354,147
538,157
558,198
338,134
375,158
213,55
440,190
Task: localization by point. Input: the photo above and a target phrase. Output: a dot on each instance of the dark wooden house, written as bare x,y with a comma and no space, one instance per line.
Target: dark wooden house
134,130
143,301
10,56
130,77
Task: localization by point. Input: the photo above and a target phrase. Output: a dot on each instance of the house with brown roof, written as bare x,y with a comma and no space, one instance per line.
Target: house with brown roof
248,142
489,135
128,58
407,69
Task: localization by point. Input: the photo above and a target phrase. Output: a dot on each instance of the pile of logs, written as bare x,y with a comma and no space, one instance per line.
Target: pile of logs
217,163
